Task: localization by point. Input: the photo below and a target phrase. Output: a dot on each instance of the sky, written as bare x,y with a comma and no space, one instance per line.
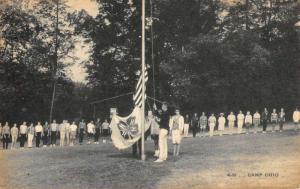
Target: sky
77,72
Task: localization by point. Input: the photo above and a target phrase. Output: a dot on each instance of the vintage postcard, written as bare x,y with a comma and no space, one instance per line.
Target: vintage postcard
149,94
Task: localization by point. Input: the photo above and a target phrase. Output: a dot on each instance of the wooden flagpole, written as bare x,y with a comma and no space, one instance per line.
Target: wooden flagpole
143,157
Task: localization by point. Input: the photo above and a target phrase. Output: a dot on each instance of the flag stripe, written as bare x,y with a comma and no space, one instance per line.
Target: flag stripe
137,97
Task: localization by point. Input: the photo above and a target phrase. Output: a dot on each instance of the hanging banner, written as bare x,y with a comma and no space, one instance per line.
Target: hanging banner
125,131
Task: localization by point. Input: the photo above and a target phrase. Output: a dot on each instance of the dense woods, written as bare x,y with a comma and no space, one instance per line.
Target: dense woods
207,56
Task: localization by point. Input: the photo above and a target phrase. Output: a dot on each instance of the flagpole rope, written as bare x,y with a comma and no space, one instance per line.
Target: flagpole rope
152,53
114,97
155,99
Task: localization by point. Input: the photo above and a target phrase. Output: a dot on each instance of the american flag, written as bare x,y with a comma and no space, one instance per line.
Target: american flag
137,97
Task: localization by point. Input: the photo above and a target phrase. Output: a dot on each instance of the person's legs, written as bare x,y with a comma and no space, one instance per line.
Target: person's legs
45,139
281,126
163,146
22,140
194,131
67,138
62,139
264,126
29,141
37,140
97,135
273,126
3,142
6,141
211,130
81,136
13,141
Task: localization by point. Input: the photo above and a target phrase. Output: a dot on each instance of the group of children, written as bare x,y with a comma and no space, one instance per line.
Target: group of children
48,133
163,124
242,121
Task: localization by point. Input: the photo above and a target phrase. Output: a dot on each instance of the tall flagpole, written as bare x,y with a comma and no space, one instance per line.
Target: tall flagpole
143,157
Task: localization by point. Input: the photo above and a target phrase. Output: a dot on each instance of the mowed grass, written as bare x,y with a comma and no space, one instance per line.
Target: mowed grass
219,162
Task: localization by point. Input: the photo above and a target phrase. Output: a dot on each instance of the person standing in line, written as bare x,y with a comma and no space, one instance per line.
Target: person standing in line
212,120
23,134
62,132
281,119
195,124
176,125
231,119
73,130
105,128
67,125
39,133
30,135
203,123
97,130
274,119
46,134
5,135
248,121
53,132
164,119
265,119
256,121
0,131
82,126
240,121
14,133
186,125
296,119
154,131
90,131
221,122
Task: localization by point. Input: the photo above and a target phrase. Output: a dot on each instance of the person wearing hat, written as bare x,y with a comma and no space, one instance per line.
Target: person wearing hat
176,125
248,121
221,122
212,120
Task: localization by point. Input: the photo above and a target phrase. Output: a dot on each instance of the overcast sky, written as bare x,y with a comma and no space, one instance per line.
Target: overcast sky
77,72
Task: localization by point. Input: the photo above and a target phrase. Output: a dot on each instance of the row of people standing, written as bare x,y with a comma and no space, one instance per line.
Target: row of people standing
242,121
49,133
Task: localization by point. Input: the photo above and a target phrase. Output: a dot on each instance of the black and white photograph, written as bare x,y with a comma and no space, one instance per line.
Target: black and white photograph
149,94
